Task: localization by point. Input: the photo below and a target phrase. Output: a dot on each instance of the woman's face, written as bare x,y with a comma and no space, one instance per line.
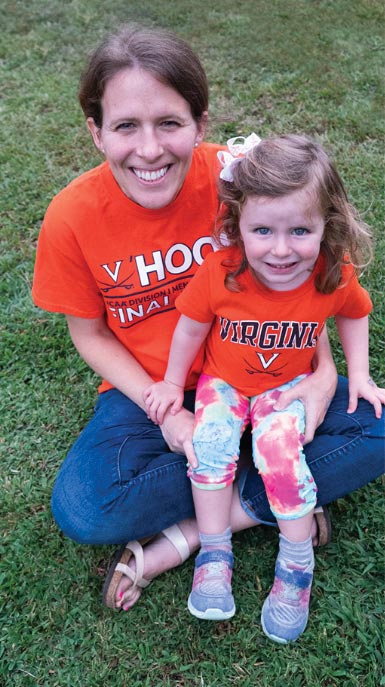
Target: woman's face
148,136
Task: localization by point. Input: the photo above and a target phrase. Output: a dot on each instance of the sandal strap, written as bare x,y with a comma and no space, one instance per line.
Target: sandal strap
177,539
175,535
137,576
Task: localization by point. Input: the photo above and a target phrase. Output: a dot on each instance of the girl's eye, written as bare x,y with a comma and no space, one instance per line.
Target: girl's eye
300,231
262,231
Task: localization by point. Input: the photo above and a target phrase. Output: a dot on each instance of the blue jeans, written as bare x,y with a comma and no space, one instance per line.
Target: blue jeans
120,481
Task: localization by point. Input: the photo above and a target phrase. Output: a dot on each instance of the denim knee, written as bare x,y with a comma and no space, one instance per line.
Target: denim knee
120,481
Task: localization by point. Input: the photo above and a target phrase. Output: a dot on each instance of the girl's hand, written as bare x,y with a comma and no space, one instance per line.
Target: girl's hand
161,397
177,432
316,392
364,387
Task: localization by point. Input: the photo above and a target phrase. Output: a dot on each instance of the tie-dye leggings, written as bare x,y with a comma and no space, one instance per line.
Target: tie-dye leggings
221,416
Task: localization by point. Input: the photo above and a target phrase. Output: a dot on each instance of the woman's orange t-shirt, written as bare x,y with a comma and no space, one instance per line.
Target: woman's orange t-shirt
99,253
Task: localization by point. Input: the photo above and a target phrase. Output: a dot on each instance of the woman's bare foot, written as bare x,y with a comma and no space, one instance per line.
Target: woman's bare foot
159,556
321,527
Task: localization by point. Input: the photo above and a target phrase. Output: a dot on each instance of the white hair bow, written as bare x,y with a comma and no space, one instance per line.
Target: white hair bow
236,152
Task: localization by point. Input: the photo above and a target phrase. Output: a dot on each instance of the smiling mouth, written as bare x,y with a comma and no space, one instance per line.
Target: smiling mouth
281,266
150,175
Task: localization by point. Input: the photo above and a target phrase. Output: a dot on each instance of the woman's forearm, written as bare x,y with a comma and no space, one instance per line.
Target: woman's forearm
316,390
323,360
104,354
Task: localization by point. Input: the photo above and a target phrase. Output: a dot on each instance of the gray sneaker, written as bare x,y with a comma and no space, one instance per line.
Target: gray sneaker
211,596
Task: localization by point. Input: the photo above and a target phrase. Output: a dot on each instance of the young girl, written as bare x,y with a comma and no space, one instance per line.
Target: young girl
291,246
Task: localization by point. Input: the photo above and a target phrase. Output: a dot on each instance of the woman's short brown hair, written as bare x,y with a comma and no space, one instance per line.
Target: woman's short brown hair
166,56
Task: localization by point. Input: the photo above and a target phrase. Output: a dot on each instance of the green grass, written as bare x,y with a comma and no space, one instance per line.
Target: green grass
274,66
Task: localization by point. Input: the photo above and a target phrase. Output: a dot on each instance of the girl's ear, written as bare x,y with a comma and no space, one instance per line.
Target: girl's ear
96,134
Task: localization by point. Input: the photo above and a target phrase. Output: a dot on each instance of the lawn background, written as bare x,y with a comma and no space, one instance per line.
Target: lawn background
313,66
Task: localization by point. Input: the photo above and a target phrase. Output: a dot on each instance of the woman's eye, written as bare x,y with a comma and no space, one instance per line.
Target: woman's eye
125,126
170,123
262,231
300,231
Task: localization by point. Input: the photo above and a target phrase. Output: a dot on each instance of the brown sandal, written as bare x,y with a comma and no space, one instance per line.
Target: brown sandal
119,565
324,526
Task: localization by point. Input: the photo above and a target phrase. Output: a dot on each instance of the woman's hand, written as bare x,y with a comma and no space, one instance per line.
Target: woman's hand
362,386
316,392
177,432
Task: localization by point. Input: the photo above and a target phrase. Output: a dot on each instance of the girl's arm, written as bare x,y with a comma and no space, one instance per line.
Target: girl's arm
317,390
354,335
187,339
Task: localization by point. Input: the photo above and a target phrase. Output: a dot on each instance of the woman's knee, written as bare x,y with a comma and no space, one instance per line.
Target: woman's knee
76,525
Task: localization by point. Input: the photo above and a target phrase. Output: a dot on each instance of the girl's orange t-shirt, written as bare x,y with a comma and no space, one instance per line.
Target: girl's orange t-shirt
262,338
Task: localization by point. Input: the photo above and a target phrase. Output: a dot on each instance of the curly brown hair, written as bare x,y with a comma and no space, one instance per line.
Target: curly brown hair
278,166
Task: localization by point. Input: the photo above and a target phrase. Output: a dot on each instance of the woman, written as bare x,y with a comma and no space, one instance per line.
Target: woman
116,247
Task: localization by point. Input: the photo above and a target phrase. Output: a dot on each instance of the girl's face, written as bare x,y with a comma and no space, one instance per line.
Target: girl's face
282,237
148,136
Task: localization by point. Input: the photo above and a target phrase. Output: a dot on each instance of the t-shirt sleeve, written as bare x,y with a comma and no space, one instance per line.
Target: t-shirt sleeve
195,300
62,280
355,301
